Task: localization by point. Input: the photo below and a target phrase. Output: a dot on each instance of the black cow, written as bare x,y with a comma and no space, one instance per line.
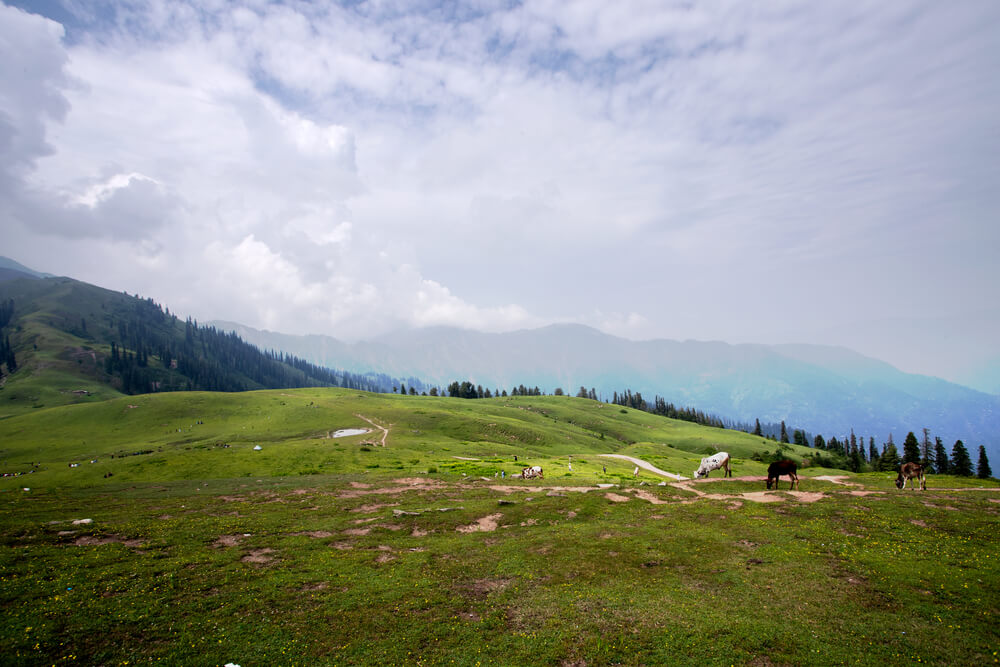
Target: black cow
779,468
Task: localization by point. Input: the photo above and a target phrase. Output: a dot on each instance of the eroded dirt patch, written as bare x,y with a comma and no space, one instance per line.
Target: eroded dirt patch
259,556
486,524
615,498
762,497
373,507
650,498
227,540
316,534
807,496
481,588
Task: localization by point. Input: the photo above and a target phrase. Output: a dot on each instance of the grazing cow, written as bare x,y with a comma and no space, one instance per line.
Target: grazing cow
779,468
532,472
911,471
714,462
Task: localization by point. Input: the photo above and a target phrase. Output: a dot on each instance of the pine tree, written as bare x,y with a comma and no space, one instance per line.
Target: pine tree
983,468
940,457
784,432
926,460
960,463
756,428
872,450
890,458
911,449
819,442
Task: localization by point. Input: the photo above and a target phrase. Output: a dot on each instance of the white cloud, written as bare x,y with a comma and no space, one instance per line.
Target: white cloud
695,170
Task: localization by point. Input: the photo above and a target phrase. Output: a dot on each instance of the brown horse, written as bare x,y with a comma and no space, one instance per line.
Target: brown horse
911,471
779,468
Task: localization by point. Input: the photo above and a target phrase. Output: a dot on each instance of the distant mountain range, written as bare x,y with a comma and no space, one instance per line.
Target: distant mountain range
821,389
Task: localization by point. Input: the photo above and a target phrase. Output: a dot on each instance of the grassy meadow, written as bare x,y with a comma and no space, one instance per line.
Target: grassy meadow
317,550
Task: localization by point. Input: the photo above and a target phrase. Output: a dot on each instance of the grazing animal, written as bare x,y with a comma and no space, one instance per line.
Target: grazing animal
532,472
911,471
714,462
779,468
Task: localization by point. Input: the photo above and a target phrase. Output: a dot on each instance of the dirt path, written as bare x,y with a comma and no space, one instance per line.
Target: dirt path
645,466
385,431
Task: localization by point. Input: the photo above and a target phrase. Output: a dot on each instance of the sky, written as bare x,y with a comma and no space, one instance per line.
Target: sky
776,172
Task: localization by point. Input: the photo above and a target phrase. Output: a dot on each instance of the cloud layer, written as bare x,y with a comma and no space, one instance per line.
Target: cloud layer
801,171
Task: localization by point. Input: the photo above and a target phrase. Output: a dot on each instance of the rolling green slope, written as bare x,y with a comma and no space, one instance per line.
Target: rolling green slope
197,435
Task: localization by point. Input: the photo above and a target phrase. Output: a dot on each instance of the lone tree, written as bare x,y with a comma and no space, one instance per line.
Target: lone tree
911,449
960,464
784,432
983,468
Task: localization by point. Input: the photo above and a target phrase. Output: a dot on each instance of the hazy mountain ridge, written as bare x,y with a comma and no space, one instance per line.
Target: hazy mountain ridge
823,389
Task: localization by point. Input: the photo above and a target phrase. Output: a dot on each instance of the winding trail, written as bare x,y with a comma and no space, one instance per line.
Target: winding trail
385,431
645,466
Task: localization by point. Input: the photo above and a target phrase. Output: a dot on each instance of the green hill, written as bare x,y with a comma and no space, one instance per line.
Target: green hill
197,435
68,342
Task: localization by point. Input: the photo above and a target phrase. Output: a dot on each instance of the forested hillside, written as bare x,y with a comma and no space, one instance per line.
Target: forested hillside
63,340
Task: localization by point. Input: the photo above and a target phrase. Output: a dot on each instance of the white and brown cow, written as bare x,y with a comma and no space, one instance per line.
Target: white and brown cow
911,471
714,462
532,472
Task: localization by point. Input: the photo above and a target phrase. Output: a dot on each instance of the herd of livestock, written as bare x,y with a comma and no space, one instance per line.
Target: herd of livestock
788,468
785,468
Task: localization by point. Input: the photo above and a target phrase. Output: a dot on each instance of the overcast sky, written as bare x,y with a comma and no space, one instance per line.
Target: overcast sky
819,172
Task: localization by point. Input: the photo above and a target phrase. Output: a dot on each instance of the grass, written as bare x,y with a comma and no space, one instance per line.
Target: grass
305,552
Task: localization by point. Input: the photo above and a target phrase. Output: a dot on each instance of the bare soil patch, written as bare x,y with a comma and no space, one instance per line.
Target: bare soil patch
807,496
480,588
650,498
615,498
762,497
373,507
227,541
259,556
486,524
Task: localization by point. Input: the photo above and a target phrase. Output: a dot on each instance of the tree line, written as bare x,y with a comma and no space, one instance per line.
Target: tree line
152,353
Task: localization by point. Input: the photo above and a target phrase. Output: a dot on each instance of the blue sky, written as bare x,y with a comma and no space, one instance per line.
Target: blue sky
793,172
